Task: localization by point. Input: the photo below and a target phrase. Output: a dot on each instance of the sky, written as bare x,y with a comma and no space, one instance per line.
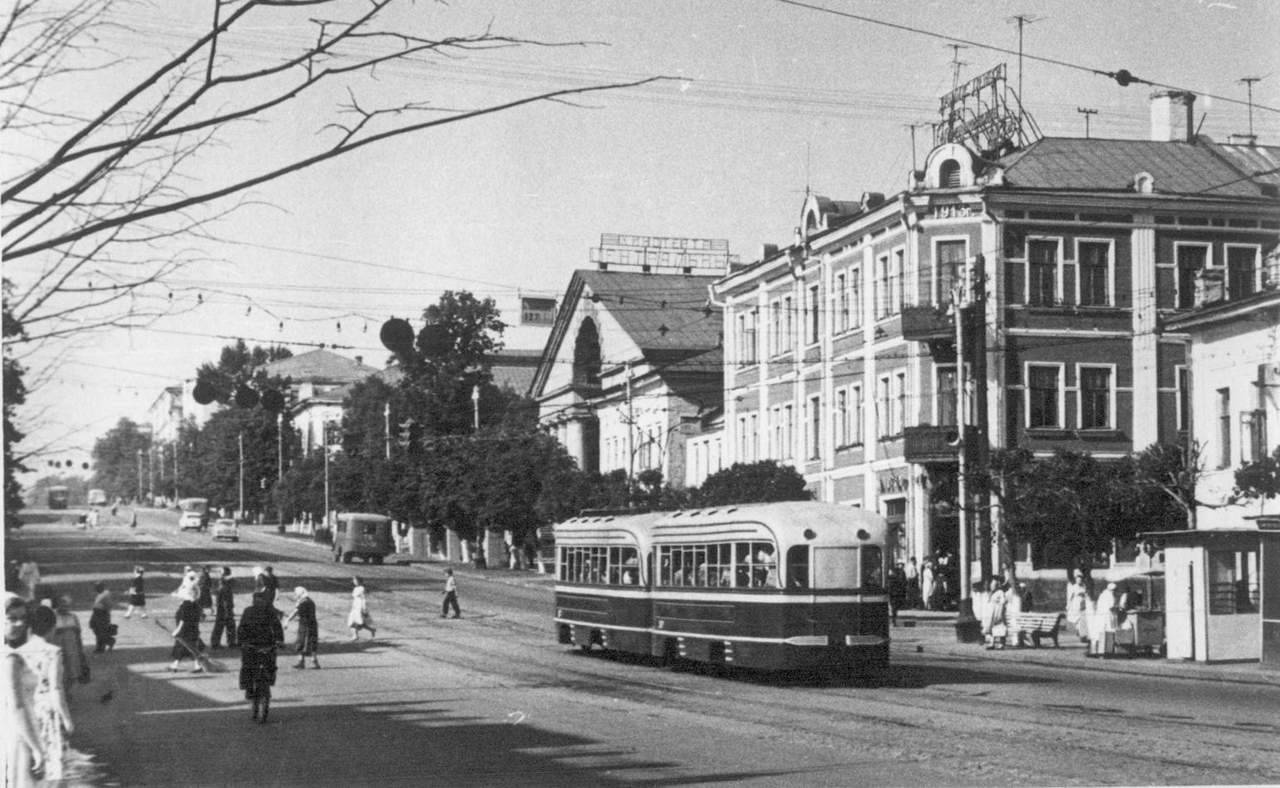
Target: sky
765,99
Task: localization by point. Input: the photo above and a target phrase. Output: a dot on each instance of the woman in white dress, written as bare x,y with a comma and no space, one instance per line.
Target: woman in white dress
1078,606
359,617
53,718
23,751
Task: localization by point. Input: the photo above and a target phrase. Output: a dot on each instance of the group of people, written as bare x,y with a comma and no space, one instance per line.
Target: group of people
930,585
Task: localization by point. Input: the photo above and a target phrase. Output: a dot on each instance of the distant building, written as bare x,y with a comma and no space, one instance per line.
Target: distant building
318,380
632,370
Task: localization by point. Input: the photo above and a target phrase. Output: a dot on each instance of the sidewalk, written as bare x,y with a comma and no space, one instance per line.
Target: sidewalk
934,632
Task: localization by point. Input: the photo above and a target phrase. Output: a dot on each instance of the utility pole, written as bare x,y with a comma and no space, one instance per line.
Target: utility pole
1022,21
956,63
324,433
1086,112
1248,83
139,477
279,471
982,452
631,428
475,408
176,443
386,426
958,300
240,443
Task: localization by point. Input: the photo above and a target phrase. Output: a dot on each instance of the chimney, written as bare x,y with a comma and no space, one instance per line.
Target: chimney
1173,116
1243,139
359,361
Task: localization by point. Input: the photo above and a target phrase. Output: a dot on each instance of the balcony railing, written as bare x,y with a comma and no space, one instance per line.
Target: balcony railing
927,323
929,444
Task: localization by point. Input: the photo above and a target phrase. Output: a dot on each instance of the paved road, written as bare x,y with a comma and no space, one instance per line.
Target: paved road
491,699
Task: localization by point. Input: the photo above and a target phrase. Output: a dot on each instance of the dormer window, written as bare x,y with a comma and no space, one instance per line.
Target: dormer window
949,174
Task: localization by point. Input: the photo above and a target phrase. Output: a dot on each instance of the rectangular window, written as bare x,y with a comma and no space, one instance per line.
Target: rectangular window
747,336
1242,271
775,334
1042,273
788,432
947,397
742,439
789,320
882,287
1094,259
900,403
1095,397
1224,428
841,419
814,438
1190,260
949,256
899,281
855,297
755,437
842,303
1043,397
814,323
1233,582
884,406
1184,401
855,433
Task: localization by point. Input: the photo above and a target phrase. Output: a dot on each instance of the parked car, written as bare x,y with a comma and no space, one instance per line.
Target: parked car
226,528
195,514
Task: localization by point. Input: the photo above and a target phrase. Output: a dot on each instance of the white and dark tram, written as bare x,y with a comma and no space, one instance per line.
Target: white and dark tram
776,586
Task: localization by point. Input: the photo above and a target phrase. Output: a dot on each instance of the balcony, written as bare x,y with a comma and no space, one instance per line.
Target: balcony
927,444
927,323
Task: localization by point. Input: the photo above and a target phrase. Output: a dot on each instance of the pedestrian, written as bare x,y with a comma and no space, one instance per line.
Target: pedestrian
927,585
29,577
100,619
137,595
270,585
1102,624
1078,606
24,751
133,519
450,596
186,633
204,589
304,609
189,581
897,591
995,627
68,637
224,612
359,617
259,634
53,717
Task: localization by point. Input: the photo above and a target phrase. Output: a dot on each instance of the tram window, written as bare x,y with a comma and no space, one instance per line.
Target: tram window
872,568
835,567
765,571
798,566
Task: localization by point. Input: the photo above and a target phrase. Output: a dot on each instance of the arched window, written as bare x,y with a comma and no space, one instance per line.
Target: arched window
949,174
586,355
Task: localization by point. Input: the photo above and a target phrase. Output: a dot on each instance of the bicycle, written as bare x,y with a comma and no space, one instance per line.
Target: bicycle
258,663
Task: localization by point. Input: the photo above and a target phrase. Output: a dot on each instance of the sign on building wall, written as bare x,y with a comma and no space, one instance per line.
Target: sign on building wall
537,311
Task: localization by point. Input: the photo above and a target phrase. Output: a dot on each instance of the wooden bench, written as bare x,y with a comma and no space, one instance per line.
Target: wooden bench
1037,625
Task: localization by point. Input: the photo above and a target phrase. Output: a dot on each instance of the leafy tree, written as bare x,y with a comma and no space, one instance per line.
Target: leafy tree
239,365
1259,480
15,394
216,463
115,460
1164,493
755,482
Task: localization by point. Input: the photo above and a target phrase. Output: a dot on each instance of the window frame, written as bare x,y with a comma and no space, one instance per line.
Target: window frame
941,297
1027,392
1056,240
1178,295
813,430
813,316
1111,396
1110,296
1255,284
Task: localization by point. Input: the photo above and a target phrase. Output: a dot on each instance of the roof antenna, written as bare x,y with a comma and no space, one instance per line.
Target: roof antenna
1248,83
1086,112
1024,20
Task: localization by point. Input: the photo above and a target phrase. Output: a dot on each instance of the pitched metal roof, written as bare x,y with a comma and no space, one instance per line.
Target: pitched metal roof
319,366
660,312
1071,163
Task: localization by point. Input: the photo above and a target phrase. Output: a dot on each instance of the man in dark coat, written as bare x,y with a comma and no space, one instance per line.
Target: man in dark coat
224,610
259,634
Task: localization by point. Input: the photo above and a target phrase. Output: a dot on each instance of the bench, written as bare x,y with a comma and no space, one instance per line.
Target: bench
1037,625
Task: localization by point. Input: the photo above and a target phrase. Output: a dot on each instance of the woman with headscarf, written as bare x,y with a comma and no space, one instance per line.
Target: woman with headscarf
304,609
186,634
53,717
23,750
359,617
100,619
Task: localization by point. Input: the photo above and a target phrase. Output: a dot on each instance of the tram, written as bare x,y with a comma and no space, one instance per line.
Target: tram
777,586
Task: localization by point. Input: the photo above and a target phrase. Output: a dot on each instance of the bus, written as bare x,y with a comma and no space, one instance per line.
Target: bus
59,497
775,586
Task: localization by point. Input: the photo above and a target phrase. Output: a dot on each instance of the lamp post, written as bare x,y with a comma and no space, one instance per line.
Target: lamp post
139,476
324,431
279,471
240,443
475,408
386,427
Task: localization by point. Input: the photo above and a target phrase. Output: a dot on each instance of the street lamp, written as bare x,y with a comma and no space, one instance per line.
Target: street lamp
240,442
475,408
139,476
